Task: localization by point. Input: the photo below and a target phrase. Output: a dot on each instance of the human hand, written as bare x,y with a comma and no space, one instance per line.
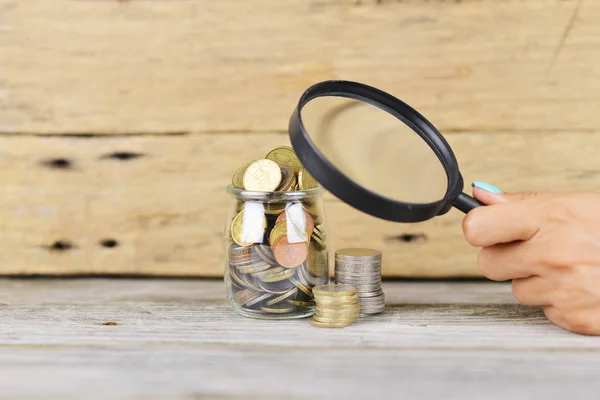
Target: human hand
548,244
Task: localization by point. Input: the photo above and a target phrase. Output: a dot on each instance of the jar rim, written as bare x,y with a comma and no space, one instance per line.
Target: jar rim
243,194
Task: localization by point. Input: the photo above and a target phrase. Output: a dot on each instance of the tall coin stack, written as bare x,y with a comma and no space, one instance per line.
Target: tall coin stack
361,268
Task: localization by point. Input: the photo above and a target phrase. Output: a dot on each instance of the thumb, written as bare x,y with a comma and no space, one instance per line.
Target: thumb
489,194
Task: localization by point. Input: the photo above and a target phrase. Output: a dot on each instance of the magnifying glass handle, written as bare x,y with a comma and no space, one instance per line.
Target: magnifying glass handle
466,203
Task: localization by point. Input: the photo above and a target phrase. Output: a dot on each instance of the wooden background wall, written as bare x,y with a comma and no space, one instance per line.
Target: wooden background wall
121,122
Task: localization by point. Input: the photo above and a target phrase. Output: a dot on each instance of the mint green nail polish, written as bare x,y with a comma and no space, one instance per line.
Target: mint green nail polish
486,186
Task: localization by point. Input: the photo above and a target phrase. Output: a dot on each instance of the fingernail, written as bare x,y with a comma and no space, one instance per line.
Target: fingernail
486,186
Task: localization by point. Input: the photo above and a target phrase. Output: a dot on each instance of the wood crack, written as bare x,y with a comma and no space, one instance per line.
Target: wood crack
564,36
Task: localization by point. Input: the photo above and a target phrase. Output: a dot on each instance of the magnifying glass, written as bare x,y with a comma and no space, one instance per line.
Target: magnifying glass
376,153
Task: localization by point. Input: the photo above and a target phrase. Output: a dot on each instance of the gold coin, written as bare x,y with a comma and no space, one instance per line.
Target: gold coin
329,324
238,178
262,176
302,287
336,301
285,154
282,297
340,318
288,180
253,268
300,303
334,290
287,274
272,310
306,180
278,231
247,229
355,308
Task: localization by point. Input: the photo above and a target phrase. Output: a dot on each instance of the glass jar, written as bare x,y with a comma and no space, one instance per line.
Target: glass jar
276,251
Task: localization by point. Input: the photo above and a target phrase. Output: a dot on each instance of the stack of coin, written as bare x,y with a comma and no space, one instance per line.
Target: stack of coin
361,268
337,306
277,251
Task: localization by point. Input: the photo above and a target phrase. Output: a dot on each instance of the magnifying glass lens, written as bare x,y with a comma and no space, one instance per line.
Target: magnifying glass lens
375,149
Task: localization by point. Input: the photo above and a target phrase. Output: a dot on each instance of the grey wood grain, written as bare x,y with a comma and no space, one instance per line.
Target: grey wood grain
180,339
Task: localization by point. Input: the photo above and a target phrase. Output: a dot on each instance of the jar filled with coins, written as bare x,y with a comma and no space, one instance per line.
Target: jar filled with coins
276,241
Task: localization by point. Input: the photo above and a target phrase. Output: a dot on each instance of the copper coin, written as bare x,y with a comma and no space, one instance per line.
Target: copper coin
290,255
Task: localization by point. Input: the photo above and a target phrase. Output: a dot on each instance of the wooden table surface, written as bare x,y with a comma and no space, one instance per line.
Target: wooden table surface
180,339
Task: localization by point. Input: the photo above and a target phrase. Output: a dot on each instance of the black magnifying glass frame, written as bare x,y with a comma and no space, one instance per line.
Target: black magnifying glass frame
335,181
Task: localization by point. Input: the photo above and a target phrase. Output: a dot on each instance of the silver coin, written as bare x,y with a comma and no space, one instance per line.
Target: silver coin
340,256
364,288
371,300
356,266
364,295
374,311
361,271
352,275
364,280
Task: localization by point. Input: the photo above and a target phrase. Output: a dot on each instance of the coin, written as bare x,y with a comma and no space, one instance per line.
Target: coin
334,290
285,154
336,319
265,253
258,299
329,324
268,272
279,276
288,179
294,233
306,180
363,253
275,310
289,255
302,287
236,278
236,250
336,307
262,176
278,287
299,218
300,303
248,228
238,178
282,297
253,268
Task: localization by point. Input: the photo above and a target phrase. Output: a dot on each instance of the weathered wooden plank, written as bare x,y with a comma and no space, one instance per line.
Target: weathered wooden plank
184,372
179,339
123,291
171,66
166,208
153,313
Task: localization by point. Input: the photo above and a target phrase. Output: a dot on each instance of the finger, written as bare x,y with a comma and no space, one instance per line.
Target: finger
583,320
503,222
533,291
505,261
489,198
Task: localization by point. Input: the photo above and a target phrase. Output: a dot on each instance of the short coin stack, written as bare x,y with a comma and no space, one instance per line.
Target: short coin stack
337,306
361,268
